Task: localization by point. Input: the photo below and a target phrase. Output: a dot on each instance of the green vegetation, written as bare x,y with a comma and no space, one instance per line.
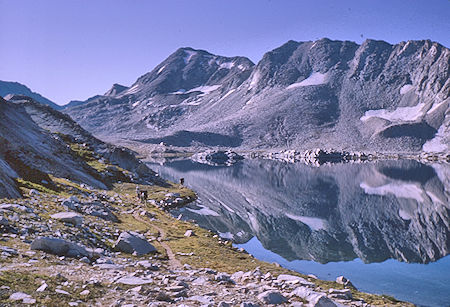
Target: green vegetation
19,281
210,251
28,185
203,249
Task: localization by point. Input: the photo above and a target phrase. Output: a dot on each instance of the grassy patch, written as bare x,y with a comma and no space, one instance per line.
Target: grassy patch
214,253
26,185
68,185
207,250
154,191
19,281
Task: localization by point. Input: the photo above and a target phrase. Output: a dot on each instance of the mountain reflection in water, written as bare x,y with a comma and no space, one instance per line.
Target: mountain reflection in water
373,211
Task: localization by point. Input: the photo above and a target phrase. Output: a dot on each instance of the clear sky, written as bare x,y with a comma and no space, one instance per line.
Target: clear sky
74,49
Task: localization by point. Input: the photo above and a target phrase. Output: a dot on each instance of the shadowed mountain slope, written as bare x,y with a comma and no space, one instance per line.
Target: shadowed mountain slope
38,142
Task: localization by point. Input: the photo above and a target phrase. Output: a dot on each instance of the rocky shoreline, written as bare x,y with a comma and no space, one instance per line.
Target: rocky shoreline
317,157
103,248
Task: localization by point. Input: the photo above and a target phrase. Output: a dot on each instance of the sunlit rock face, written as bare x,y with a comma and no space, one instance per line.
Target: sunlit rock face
302,95
373,211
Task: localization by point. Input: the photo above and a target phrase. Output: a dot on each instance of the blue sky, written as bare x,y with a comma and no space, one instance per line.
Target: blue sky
74,49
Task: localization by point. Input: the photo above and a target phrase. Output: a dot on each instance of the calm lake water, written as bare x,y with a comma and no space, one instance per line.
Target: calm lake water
384,225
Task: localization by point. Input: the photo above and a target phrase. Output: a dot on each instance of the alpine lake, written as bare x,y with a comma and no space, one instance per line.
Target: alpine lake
384,225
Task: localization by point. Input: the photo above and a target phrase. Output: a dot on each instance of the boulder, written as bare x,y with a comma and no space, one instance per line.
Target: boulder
68,217
314,298
237,276
203,299
95,208
11,207
132,242
223,277
74,199
99,210
134,281
71,204
9,250
42,287
272,297
20,296
344,281
4,221
148,265
320,300
109,266
85,292
294,279
188,233
199,281
302,292
59,247
345,294
34,192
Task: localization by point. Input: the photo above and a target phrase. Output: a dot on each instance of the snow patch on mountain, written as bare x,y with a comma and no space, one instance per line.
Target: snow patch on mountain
399,189
181,91
255,79
228,94
436,106
242,67
188,55
189,102
161,69
316,78
402,114
327,103
434,198
226,235
204,211
227,65
437,144
134,89
205,89
406,88
405,215
313,223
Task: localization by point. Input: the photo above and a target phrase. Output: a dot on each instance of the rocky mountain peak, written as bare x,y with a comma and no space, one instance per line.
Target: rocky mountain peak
294,62
16,88
188,68
373,96
115,90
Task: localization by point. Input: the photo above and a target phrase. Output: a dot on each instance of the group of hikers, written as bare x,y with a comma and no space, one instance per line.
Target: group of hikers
142,195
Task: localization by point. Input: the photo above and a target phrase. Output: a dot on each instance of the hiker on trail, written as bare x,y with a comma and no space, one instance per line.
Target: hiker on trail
181,181
144,196
138,192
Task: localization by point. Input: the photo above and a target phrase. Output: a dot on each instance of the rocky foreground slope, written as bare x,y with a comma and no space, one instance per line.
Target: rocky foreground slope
54,252
302,95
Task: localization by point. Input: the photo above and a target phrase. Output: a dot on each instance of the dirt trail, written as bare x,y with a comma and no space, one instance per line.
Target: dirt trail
174,263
